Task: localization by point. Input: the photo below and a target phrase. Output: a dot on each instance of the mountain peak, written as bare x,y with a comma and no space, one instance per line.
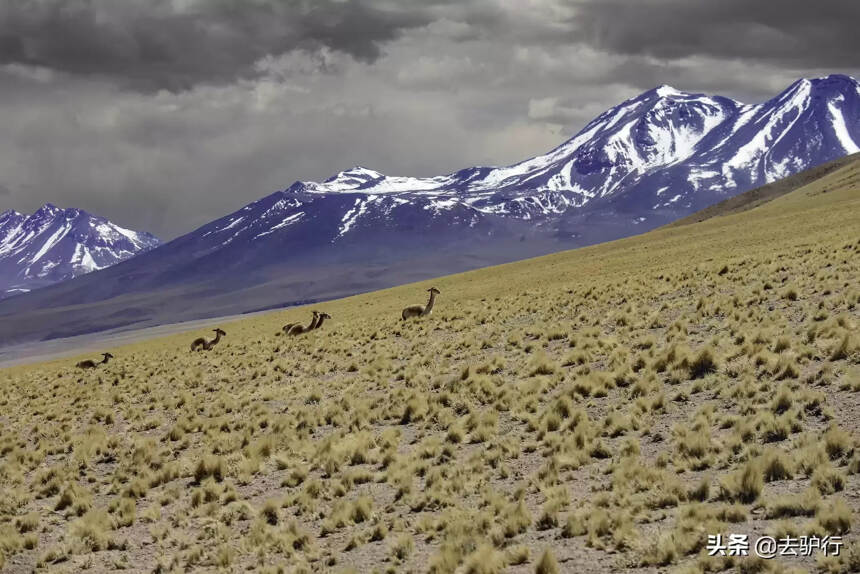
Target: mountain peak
661,92
362,169
836,79
48,208
348,180
836,84
54,244
833,83
799,85
667,91
358,171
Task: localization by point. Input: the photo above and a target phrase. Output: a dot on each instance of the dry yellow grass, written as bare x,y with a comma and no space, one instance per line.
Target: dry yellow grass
600,410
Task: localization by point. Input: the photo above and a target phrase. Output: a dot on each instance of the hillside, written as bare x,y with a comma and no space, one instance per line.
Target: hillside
761,195
593,411
652,159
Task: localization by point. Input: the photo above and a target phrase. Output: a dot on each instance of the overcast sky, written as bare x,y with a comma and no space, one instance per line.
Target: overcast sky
165,114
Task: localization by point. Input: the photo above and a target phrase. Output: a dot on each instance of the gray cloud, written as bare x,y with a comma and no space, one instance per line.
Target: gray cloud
174,44
790,32
165,114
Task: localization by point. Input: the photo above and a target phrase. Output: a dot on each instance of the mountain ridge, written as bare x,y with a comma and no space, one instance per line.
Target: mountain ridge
649,161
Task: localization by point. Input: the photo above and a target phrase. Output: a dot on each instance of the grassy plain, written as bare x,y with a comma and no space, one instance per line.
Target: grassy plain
599,410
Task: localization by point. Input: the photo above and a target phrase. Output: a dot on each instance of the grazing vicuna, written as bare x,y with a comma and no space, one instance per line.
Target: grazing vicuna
301,329
421,310
90,364
202,344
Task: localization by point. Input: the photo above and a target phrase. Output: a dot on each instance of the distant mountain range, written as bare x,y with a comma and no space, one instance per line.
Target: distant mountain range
55,245
651,160
654,158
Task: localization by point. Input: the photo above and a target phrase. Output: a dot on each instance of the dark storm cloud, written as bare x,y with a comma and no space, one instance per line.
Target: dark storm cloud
174,44
798,33
163,115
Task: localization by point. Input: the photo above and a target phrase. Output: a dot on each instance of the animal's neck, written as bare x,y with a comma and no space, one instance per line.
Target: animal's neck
216,339
104,361
430,302
320,322
314,323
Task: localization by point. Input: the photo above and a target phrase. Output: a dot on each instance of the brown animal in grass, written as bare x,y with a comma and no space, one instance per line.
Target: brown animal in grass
90,364
294,329
323,317
420,310
202,344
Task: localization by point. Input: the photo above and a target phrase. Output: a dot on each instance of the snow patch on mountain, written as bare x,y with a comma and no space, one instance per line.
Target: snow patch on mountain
295,218
351,216
841,128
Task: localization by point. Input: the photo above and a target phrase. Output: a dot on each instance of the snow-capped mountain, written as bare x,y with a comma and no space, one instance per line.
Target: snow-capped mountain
651,160
56,244
654,158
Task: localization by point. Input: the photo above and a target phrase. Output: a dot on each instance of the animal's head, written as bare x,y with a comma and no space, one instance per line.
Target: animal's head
107,355
434,290
325,316
219,331
316,313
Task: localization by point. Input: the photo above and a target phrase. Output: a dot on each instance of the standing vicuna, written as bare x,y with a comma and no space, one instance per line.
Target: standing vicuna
90,364
421,310
202,343
294,329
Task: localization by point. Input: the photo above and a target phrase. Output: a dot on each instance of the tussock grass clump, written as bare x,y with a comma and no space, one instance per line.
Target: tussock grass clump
209,466
402,547
834,517
93,531
485,560
547,563
517,555
846,346
415,409
694,444
27,523
744,485
701,491
828,479
791,505
701,364
270,512
837,443
516,519
74,498
776,465
542,364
